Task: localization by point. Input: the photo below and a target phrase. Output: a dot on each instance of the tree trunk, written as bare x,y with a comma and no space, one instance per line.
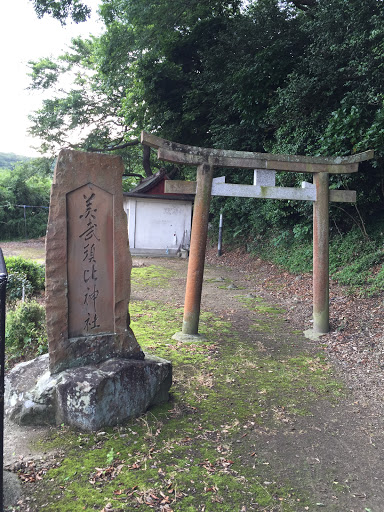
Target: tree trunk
146,161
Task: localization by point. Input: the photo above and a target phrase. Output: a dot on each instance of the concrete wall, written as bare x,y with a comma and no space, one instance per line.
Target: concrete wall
157,224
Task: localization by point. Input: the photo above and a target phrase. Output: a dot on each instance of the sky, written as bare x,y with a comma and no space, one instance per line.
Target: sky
24,37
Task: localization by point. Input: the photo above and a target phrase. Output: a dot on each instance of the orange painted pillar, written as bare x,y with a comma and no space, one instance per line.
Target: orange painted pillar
197,250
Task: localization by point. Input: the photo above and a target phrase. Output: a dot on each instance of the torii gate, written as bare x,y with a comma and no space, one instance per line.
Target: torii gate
265,166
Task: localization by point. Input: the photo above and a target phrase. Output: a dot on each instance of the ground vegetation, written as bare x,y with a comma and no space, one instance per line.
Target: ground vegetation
260,417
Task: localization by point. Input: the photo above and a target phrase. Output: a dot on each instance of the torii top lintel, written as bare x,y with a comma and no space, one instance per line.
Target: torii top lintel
193,155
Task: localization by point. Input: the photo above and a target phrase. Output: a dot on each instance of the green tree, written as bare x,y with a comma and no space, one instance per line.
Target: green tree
300,76
87,115
24,199
62,9
9,160
203,75
338,75
332,102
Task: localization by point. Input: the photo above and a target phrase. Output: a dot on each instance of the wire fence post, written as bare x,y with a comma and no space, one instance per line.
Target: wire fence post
220,242
3,288
25,221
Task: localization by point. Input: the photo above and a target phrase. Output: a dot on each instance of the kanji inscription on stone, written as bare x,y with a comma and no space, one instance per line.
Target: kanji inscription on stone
90,261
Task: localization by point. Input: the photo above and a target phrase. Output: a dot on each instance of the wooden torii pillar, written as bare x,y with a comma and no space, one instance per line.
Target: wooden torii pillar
264,166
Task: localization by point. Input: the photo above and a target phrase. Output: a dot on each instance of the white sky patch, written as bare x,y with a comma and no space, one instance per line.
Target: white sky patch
24,37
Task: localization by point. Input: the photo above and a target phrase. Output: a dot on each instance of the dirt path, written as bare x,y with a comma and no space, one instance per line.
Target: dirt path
335,452
30,249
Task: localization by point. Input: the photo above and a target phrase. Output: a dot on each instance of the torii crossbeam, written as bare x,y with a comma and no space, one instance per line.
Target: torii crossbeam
264,165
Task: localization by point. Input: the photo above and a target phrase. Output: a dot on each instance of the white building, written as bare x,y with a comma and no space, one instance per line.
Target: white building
159,224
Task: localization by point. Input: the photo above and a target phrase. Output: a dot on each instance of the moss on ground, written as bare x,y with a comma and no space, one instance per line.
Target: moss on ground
185,455
151,276
258,304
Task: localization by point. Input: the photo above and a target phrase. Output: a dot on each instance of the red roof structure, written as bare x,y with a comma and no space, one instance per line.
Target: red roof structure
153,186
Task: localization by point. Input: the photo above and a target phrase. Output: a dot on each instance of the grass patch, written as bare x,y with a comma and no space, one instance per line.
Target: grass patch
149,464
355,260
261,326
259,305
151,276
184,454
36,254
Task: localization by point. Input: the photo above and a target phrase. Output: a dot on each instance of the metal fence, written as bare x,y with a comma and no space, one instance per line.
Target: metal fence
3,287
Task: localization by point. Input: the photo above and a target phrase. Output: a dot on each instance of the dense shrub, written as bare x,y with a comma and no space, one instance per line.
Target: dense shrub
25,331
17,283
355,260
33,272
24,199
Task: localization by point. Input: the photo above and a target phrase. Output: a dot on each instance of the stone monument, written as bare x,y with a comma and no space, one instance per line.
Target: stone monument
88,264
95,374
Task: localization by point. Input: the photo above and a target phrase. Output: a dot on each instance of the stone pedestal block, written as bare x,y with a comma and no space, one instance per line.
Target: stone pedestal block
88,397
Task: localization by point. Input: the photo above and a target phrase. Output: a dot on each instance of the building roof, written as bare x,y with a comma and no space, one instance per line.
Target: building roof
152,187
148,183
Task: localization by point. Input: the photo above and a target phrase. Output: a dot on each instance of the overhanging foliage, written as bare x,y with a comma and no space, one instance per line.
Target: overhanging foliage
285,77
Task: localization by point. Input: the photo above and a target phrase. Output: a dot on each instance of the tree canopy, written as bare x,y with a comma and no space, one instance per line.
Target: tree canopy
300,76
24,198
62,9
9,160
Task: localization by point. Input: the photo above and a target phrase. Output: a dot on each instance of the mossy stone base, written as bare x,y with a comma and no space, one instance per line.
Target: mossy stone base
89,397
188,338
313,335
